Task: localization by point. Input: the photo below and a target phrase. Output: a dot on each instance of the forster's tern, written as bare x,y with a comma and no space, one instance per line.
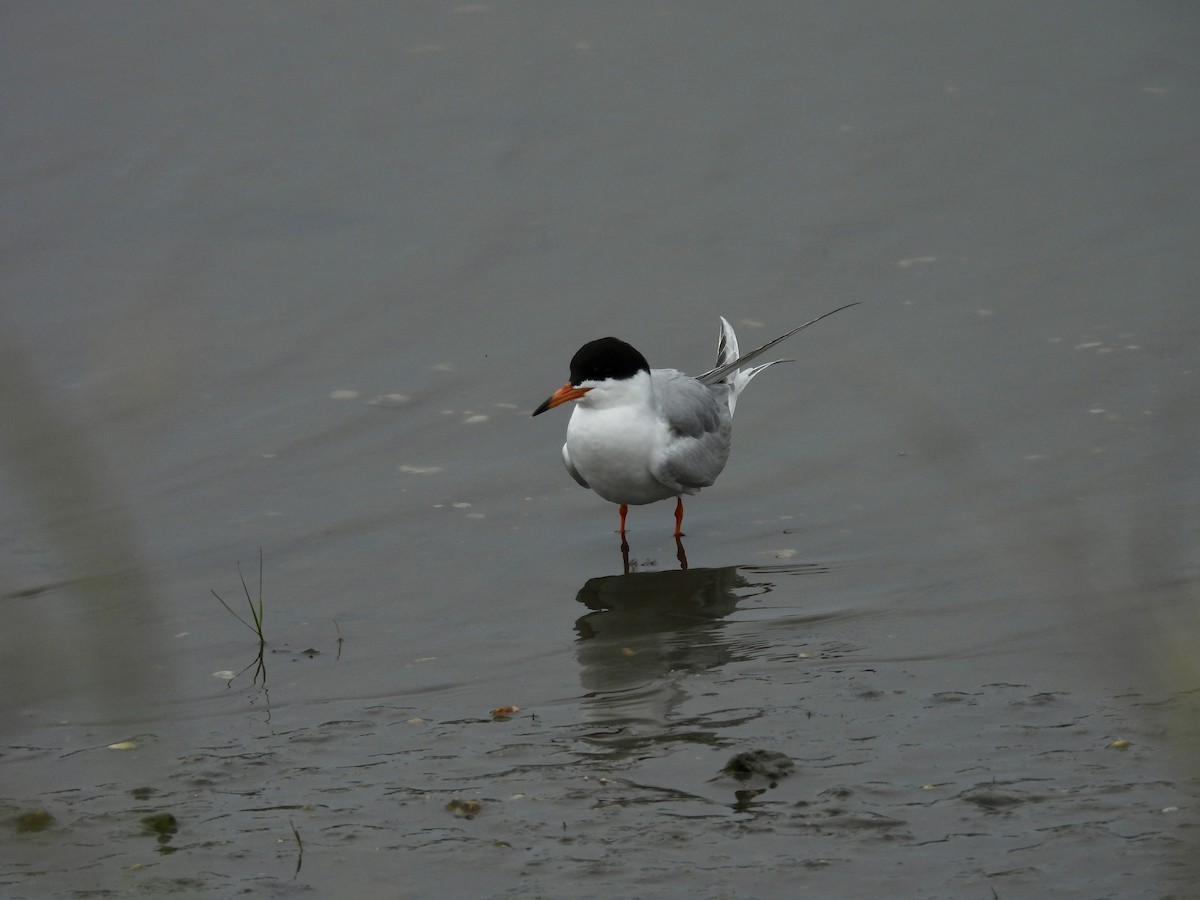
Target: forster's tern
639,434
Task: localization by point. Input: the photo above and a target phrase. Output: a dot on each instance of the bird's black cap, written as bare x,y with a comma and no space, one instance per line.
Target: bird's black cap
604,358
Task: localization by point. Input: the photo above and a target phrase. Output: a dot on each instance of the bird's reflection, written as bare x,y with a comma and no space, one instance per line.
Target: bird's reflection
642,603
645,634
680,554
645,631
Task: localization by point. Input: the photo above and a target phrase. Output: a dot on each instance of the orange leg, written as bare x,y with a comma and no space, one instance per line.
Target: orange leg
678,517
624,543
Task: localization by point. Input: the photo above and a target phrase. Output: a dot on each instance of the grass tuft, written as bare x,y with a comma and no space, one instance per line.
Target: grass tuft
256,615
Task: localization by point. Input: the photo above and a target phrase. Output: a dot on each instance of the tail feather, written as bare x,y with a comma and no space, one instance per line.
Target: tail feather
729,364
727,344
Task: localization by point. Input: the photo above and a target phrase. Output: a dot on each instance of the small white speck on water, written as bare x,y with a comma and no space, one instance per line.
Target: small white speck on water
389,400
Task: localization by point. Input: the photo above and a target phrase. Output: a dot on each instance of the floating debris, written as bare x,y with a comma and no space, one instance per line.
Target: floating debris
420,470
764,763
389,400
463,809
500,713
162,824
33,820
994,800
123,745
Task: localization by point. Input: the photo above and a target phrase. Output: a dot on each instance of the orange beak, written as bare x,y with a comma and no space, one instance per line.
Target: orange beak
567,392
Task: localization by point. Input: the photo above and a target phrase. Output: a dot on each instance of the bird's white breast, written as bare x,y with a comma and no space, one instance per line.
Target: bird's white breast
614,436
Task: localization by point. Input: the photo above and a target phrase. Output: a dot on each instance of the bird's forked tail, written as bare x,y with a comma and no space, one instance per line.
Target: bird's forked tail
729,364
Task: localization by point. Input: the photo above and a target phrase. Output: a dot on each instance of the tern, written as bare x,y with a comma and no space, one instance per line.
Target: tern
638,435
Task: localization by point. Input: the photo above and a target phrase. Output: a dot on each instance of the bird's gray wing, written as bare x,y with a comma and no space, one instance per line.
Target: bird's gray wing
699,427
571,468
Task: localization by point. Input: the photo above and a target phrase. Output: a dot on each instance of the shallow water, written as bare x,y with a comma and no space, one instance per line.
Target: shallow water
293,279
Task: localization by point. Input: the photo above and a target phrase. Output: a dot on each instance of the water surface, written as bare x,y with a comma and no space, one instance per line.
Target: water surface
292,278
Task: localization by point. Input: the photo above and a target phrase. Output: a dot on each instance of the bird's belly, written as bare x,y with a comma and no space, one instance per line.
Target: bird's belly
613,455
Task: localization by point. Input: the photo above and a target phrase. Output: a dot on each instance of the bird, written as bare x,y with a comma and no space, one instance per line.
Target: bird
638,435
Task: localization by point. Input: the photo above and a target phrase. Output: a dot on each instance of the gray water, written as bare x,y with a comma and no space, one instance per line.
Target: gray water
291,277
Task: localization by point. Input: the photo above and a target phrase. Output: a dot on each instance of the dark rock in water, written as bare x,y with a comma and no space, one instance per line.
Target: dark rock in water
768,764
993,800
36,819
162,824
